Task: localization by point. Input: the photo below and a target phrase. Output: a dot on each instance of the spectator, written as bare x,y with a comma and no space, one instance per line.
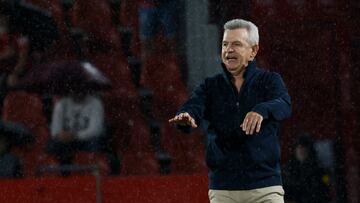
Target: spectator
14,51
77,125
153,13
303,177
10,166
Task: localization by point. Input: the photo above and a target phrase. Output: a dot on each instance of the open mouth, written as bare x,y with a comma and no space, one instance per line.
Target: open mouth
231,58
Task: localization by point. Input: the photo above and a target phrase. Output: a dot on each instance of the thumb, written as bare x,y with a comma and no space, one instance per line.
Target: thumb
193,123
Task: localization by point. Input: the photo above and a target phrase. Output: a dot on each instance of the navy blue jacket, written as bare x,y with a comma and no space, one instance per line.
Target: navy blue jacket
238,161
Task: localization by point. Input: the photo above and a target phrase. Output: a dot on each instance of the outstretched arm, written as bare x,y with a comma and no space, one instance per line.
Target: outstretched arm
192,112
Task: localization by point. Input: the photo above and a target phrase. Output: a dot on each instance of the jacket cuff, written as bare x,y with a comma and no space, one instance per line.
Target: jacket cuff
260,109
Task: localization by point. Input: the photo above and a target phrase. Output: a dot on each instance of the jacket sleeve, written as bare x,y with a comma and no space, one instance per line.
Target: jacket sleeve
195,106
278,104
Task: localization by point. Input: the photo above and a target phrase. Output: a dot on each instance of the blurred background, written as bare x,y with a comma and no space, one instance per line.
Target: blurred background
87,88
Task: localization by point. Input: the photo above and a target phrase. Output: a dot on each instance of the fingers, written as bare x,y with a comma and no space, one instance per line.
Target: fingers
252,123
250,129
259,125
177,118
190,120
184,119
245,123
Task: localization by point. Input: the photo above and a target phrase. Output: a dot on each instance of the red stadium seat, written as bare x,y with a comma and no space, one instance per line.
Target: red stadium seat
89,15
129,18
131,134
161,74
122,101
139,159
187,150
93,158
27,109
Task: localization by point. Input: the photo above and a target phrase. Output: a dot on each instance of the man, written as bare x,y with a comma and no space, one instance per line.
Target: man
243,107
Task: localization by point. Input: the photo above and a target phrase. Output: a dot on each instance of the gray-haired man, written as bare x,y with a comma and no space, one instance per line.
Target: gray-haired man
243,106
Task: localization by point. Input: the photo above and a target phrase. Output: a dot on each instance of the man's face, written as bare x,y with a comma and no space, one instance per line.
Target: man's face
236,51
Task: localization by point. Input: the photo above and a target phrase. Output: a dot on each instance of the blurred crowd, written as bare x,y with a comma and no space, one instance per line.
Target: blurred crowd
93,82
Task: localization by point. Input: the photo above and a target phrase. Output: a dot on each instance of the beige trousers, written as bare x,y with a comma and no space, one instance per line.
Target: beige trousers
273,194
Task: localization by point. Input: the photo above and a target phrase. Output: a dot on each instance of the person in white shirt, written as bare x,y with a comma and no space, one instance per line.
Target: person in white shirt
77,125
78,116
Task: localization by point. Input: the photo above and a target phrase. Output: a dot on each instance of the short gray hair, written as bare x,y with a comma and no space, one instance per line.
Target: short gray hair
249,26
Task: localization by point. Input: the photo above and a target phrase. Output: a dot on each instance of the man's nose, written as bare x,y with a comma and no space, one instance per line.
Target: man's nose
229,48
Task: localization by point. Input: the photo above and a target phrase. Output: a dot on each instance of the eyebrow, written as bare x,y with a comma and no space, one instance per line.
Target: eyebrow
233,41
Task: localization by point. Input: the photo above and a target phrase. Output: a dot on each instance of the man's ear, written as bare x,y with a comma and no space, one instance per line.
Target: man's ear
254,51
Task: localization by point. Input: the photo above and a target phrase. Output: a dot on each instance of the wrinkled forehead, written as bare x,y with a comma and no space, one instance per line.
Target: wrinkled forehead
239,34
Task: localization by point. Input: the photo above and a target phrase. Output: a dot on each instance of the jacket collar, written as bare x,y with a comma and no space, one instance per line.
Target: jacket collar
249,72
